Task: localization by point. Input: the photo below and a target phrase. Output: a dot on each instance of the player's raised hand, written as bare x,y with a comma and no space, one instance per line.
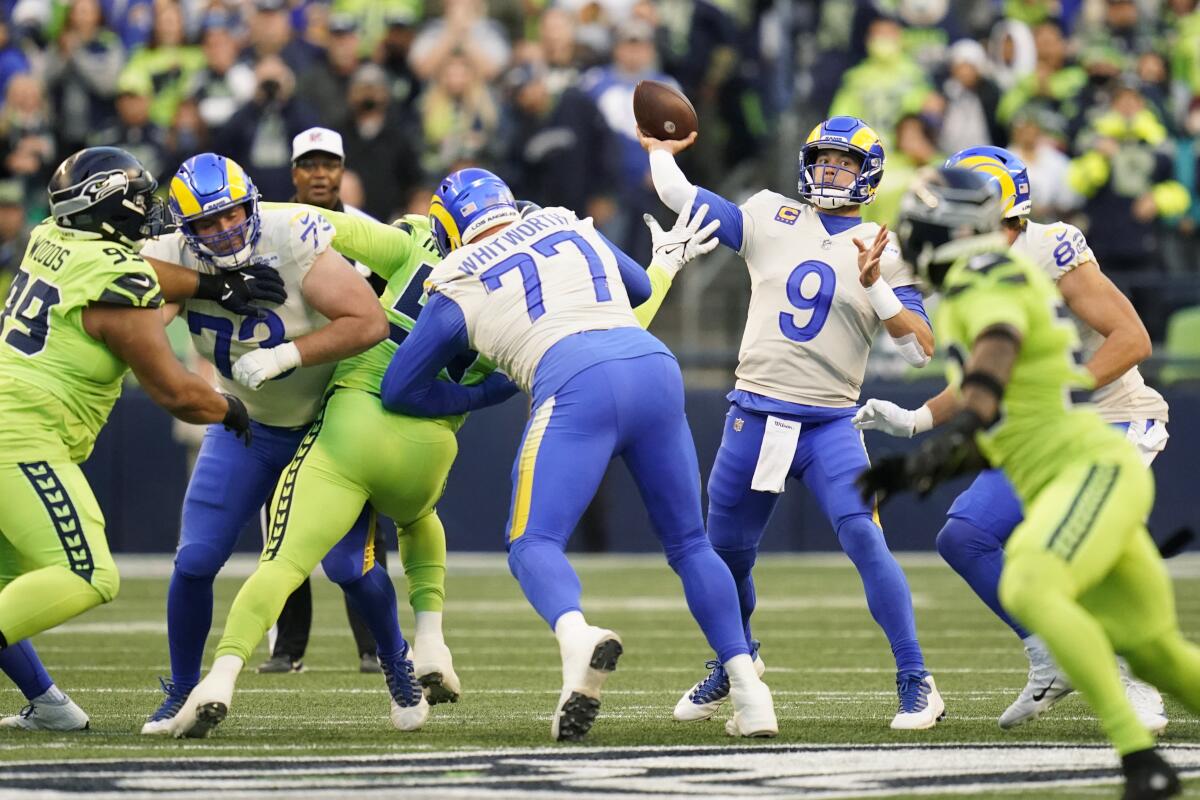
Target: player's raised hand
880,415
239,290
684,241
868,257
259,366
672,146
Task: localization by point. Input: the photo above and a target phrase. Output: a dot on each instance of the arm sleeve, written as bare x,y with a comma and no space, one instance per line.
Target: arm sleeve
637,283
411,386
675,190
660,284
910,297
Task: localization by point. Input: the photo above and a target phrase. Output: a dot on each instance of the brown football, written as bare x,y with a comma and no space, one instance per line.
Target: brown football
662,111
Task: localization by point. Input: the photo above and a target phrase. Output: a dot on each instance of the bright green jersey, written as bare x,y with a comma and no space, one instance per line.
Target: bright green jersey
57,383
1040,432
403,254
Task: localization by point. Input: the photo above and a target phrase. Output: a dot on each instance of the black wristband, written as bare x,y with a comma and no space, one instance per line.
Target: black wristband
985,381
237,418
209,287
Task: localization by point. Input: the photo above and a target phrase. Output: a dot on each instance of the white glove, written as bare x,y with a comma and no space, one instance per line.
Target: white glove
259,366
683,242
880,415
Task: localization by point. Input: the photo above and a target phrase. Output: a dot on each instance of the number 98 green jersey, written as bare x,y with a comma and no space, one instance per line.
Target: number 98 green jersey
58,384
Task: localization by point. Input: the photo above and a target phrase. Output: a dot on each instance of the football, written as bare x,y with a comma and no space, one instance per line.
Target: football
662,111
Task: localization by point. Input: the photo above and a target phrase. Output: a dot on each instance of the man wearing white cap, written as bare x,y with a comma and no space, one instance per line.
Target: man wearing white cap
318,163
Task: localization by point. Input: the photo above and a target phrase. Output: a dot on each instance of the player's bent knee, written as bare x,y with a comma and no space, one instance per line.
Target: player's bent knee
689,544
861,539
341,568
106,582
199,561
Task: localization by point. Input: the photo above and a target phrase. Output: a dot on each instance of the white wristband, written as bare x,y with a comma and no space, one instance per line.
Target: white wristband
922,420
883,299
287,356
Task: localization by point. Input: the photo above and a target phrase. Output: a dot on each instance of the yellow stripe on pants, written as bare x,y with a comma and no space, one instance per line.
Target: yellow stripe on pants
525,464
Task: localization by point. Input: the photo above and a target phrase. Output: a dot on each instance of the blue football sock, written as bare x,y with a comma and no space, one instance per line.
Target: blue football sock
189,618
741,565
549,582
978,557
374,598
20,662
711,595
888,596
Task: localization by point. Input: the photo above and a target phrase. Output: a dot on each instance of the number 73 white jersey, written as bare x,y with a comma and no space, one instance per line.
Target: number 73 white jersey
810,325
525,289
290,242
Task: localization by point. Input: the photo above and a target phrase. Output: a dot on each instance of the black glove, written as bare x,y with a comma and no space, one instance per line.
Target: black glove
237,419
238,290
939,458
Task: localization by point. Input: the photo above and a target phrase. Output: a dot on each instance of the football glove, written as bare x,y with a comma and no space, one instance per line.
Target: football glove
880,415
237,419
238,290
259,366
684,241
939,458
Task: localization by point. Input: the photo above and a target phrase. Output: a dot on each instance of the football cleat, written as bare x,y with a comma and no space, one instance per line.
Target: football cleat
205,708
587,661
1149,777
434,668
753,713
1146,701
159,723
64,716
410,709
280,665
920,704
369,664
702,700
1045,687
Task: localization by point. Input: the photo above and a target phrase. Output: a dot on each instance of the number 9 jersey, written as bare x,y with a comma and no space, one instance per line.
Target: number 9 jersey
810,325
57,383
290,242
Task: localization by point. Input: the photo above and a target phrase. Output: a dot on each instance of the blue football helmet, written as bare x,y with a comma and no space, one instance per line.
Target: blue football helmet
210,184
467,203
1006,169
851,135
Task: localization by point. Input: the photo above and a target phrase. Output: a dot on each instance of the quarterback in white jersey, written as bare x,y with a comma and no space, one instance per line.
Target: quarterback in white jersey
550,301
278,363
823,286
1114,341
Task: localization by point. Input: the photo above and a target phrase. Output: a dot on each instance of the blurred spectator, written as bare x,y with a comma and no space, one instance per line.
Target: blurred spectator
1155,86
1126,175
27,149
134,130
460,119
392,55
224,84
1185,54
132,20
971,101
1184,254
14,231
557,39
1124,28
561,151
351,191
81,74
929,26
381,144
1012,52
259,135
168,63
1052,197
634,59
271,34
1054,84
326,83
915,148
188,135
885,86
12,58
464,30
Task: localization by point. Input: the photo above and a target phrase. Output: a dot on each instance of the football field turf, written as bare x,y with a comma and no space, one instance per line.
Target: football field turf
325,732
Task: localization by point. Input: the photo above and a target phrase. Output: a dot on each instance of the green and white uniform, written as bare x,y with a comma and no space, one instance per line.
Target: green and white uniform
1081,571
356,452
57,388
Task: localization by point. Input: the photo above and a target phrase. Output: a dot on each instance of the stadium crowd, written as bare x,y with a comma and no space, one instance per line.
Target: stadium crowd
1100,98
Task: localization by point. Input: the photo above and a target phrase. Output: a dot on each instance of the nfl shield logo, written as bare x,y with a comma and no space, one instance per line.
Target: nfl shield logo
738,422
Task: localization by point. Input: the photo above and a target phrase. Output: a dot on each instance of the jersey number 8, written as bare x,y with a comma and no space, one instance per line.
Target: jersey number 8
818,301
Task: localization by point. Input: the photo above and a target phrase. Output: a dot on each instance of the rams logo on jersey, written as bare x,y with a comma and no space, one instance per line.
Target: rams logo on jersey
787,215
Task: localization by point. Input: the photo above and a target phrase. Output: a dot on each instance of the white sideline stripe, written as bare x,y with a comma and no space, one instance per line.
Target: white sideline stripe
556,668
382,690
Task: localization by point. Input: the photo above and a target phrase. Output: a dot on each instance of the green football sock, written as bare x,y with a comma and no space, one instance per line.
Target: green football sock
423,552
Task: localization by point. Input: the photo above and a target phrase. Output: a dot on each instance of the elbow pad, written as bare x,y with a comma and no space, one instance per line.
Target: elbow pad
911,350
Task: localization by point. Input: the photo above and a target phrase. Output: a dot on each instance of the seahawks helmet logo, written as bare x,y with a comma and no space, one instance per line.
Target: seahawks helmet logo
83,196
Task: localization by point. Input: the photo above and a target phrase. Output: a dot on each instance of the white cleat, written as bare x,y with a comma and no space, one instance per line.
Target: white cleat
588,658
409,718
44,716
706,697
1146,701
753,713
1045,687
921,705
409,708
205,709
434,668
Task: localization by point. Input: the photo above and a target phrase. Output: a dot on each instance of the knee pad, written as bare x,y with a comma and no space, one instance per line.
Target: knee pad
861,539
342,568
199,561
959,539
686,545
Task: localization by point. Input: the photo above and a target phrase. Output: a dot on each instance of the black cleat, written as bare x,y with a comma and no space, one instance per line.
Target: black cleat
577,717
604,657
436,690
208,717
1148,776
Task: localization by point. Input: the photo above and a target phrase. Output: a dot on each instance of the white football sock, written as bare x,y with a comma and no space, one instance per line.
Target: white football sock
568,624
741,672
51,697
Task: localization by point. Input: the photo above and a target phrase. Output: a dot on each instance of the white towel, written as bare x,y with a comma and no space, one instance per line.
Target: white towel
775,455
